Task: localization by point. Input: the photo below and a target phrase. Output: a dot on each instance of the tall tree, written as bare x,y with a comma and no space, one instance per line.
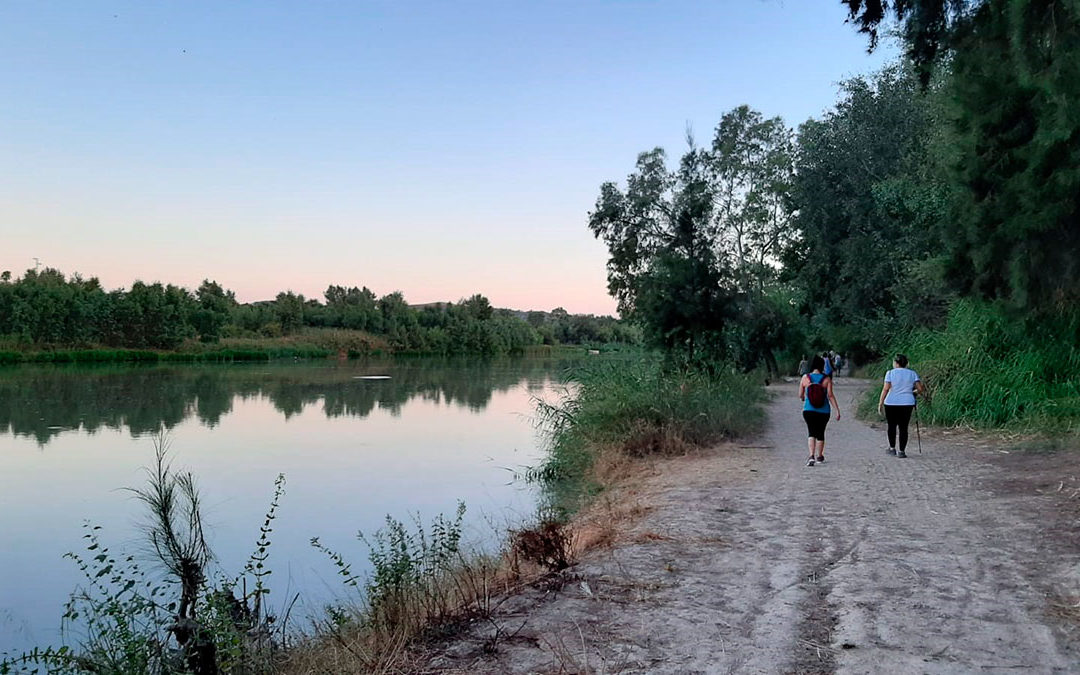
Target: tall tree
751,166
664,268
867,201
1014,231
215,307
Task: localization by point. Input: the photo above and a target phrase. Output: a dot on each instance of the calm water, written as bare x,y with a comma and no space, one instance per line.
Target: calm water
352,450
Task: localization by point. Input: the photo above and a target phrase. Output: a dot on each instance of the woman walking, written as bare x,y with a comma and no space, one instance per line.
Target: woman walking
898,400
816,393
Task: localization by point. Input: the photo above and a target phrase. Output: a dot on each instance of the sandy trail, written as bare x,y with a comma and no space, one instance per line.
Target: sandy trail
747,561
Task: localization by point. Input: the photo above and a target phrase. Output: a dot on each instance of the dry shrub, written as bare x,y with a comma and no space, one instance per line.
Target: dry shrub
645,439
547,544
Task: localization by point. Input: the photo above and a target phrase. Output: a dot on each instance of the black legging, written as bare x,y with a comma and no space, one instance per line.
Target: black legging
898,416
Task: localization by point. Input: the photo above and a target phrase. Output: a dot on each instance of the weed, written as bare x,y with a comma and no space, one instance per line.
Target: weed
422,584
547,544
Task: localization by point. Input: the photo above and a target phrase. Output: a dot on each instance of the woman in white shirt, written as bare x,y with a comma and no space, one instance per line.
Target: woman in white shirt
898,400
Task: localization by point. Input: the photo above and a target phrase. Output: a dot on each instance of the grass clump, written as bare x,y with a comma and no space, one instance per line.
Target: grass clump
992,368
422,584
638,408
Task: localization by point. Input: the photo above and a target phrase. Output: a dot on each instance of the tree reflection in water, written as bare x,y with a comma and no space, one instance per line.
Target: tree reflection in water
42,402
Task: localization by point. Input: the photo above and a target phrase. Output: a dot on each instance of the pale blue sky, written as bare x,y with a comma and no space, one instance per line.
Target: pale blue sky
440,149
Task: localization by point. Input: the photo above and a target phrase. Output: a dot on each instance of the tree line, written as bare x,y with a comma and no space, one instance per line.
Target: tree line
948,178
45,309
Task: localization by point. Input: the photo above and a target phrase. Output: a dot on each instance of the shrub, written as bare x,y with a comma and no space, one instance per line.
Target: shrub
547,544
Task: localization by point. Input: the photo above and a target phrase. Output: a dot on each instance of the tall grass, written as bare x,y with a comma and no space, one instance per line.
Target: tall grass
637,408
990,368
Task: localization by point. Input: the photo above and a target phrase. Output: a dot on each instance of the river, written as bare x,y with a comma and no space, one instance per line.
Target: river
353,449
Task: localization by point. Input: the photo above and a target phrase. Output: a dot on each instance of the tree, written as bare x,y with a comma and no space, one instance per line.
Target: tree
664,268
751,168
153,315
868,196
354,308
215,307
289,310
477,307
1014,228
926,25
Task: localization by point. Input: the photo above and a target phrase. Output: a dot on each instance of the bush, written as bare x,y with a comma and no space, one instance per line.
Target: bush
421,584
547,544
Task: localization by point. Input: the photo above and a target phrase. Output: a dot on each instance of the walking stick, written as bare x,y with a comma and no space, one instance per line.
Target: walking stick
918,433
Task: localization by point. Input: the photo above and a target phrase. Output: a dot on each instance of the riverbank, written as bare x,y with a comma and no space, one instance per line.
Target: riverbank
606,428
313,343
740,558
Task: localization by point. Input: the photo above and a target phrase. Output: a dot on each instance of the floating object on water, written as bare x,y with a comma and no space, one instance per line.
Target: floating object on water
371,377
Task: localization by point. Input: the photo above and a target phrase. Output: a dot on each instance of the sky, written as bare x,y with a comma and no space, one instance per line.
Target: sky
437,148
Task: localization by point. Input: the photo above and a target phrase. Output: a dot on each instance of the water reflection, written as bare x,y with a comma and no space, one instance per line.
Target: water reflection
43,402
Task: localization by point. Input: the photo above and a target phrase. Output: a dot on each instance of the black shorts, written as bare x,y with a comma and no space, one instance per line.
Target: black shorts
815,424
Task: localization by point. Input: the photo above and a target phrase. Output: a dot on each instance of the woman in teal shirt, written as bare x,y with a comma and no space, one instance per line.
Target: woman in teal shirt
817,417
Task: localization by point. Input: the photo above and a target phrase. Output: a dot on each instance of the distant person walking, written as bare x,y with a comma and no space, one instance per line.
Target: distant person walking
827,358
816,393
838,362
804,366
898,400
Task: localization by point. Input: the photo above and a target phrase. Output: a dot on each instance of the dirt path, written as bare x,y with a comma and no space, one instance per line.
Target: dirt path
959,560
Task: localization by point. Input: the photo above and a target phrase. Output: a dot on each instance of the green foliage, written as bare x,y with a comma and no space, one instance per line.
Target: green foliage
409,563
215,306
411,586
868,195
638,407
353,308
991,367
693,252
926,25
47,318
289,310
129,621
1015,81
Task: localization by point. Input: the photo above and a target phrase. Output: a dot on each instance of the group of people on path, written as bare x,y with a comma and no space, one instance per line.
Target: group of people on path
833,361
897,401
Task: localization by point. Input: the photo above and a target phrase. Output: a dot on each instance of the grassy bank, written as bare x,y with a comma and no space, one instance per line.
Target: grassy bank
989,368
632,409
311,343
308,344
